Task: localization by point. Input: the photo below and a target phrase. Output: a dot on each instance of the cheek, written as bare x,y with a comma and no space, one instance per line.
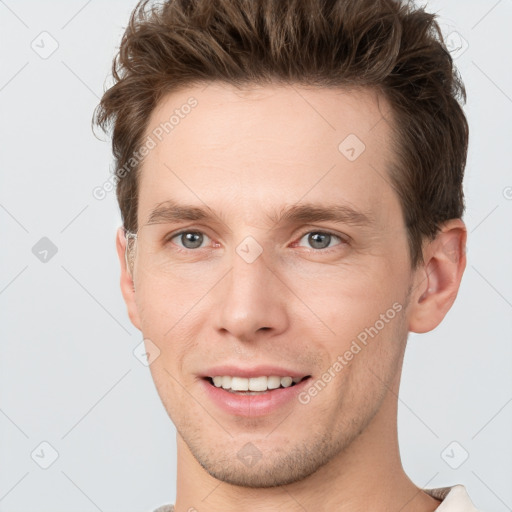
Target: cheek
164,301
345,301
168,390
365,336
171,317
369,362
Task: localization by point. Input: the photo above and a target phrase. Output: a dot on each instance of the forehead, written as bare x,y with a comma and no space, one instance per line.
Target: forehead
268,145
255,112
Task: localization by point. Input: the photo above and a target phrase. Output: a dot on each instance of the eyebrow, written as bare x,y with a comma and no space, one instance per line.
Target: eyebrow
339,213
171,211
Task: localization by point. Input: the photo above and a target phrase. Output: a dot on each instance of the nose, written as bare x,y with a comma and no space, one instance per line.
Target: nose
251,301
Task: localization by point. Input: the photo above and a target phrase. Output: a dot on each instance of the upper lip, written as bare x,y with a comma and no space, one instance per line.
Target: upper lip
253,371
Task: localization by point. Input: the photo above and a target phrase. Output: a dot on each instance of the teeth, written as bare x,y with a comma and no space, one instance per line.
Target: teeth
286,382
240,384
253,383
273,382
226,382
257,383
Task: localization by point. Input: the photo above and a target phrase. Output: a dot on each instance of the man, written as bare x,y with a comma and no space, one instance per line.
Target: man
290,180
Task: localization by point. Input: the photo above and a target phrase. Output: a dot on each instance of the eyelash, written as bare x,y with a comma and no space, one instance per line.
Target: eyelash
343,241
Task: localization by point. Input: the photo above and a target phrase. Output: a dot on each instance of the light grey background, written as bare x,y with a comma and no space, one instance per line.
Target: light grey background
68,375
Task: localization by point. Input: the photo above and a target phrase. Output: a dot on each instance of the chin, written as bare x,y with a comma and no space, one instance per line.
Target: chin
266,468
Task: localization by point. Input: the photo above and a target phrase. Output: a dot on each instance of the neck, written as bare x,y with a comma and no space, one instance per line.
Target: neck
366,475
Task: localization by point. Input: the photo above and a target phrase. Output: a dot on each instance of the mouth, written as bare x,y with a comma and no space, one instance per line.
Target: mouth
261,390
254,385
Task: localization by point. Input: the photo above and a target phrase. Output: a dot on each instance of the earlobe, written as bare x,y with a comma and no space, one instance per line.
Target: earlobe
127,282
437,280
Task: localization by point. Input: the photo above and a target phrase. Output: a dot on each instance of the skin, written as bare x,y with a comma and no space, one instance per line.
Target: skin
245,153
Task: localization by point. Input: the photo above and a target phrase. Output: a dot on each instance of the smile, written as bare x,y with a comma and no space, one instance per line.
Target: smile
253,396
253,385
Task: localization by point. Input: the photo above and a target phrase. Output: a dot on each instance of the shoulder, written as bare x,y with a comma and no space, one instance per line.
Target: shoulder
453,499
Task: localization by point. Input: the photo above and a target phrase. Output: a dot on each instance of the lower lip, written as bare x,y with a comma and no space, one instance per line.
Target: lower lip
252,405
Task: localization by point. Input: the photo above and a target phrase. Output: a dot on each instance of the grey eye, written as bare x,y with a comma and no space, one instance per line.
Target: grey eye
320,239
190,239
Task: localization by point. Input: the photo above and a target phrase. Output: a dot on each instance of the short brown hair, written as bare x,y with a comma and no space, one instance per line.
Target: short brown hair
391,46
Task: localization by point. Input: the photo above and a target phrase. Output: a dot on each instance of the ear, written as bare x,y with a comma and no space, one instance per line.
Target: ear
127,286
437,280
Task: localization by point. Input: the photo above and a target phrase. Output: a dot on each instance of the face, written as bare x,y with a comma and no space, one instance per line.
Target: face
271,245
